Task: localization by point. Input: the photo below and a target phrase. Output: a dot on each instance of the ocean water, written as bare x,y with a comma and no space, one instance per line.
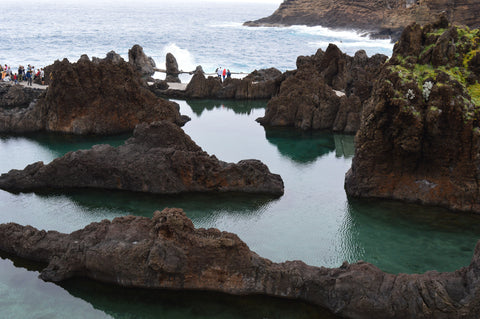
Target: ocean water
207,33
313,221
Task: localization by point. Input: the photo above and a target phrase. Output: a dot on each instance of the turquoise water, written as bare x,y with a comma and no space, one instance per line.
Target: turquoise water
313,221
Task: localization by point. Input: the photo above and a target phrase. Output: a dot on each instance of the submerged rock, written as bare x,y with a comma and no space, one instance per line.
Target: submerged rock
326,92
102,97
420,134
167,251
160,158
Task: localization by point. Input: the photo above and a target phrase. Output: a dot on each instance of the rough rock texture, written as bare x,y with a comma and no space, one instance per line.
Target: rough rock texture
100,97
160,158
172,69
386,18
420,136
17,96
141,62
260,84
327,91
168,252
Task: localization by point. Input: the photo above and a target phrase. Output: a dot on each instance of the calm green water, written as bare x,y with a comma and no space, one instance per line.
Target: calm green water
314,221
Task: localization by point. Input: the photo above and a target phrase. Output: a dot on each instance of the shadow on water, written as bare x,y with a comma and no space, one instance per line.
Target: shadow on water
307,146
396,236
200,207
59,143
119,302
238,107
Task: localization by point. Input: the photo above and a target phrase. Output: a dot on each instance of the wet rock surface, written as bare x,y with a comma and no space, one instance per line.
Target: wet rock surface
166,251
326,92
419,138
160,159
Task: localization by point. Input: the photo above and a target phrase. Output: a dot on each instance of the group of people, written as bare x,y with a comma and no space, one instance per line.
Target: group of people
23,74
223,73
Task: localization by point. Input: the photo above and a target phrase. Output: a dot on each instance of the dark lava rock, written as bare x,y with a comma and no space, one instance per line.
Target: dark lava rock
172,69
167,251
381,18
144,64
261,84
419,139
160,158
102,97
326,92
17,96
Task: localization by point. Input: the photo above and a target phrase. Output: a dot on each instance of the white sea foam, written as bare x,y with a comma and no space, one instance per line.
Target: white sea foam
185,60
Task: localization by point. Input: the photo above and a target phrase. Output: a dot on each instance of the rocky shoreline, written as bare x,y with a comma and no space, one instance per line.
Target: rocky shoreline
381,20
166,251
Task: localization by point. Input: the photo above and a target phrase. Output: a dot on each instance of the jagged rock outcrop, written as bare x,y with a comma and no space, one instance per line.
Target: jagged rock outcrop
102,97
420,136
17,96
260,84
144,64
167,251
160,158
172,69
327,91
383,18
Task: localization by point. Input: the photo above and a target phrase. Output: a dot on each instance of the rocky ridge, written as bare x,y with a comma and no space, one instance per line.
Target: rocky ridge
382,18
327,91
160,158
260,84
167,251
419,138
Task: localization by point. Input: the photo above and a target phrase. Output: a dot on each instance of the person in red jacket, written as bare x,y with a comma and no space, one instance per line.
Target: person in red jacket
224,73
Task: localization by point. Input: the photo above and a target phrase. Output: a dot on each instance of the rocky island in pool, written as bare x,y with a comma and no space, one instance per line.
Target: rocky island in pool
166,251
160,158
419,138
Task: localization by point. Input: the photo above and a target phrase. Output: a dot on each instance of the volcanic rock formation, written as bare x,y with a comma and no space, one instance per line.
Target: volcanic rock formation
387,18
144,64
166,251
101,97
419,138
172,69
327,91
160,158
260,84
17,96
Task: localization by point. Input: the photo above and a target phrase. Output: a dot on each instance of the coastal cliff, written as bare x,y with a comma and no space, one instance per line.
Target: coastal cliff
384,18
419,138
160,158
166,251
327,91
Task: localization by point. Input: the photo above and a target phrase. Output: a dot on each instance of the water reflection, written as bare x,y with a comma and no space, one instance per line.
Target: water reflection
202,208
25,295
301,146
58,144
396,236
344,145
238,107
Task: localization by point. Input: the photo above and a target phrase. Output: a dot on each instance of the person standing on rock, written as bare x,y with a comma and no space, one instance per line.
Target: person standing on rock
224,73
29,77
229,74
219,73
